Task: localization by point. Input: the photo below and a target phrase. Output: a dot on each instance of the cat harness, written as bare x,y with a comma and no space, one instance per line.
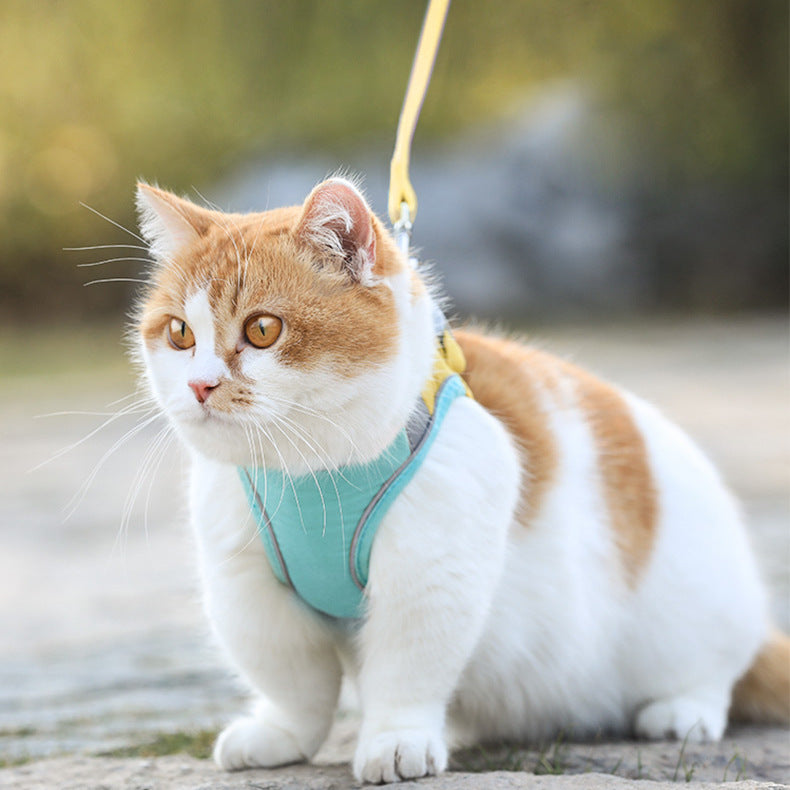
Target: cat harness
318,528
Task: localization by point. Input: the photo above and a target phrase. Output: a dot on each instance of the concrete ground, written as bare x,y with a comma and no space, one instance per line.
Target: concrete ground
103,642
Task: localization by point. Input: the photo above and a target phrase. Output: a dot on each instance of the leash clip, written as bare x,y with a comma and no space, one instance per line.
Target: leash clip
402,232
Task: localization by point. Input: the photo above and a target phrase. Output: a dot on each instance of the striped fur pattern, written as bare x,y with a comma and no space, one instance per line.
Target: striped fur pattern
565,559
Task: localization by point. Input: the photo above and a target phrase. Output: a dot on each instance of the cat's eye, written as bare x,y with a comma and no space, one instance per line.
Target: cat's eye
179,334
262,330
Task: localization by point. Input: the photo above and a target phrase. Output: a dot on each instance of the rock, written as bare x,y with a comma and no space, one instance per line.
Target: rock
552,212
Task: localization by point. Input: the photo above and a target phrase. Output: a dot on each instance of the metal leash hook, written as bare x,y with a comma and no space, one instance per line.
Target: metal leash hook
402,198
402,232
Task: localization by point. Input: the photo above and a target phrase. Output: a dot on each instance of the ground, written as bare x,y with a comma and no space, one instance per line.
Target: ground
759,754
105,646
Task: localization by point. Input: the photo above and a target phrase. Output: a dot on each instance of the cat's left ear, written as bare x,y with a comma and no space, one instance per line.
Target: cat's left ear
169,223
338,223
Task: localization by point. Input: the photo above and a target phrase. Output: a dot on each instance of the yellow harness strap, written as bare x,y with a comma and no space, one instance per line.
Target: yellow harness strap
449,360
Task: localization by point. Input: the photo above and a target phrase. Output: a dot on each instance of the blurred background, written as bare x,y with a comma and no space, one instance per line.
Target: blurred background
571,157
613,175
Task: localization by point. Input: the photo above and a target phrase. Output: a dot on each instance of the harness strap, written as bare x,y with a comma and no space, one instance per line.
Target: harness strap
318,528
449,360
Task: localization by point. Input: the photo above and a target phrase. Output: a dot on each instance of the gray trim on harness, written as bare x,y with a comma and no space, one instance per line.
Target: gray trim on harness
417,429
270,531
419,420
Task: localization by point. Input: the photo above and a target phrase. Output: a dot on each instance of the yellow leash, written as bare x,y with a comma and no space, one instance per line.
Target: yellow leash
402,198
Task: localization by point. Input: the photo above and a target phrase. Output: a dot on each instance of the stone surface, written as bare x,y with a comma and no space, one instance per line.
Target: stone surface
186,773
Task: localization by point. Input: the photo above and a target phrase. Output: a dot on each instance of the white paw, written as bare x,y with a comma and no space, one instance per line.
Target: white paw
252,743
400,754
683,718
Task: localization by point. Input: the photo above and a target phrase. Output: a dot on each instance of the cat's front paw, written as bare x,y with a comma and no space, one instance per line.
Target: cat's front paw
399,754
251,743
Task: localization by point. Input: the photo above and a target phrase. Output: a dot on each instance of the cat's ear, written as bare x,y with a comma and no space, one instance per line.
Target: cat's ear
337,222
169,223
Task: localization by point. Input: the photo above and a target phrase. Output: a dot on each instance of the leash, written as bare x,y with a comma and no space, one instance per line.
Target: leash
402,197
403,200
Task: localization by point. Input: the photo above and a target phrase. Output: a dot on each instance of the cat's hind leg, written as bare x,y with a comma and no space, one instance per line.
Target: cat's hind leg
696,716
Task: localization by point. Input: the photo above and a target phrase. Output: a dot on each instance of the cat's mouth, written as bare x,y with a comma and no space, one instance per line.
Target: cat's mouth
206,414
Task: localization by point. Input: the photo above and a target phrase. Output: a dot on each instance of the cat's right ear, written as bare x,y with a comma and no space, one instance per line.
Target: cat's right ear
336,220
169,223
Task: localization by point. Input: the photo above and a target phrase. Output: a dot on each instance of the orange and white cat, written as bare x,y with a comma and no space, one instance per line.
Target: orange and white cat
563,559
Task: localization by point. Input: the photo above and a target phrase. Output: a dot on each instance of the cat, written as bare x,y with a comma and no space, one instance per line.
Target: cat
560,558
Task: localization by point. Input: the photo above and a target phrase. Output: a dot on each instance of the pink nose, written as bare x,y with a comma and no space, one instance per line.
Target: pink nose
202,389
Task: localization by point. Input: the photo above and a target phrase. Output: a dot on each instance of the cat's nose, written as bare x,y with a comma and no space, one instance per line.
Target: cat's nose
202,389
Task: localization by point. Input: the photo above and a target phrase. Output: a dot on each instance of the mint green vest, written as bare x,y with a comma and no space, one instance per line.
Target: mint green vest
318,529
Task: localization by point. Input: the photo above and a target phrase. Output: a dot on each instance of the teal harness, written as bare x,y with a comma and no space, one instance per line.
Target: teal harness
318,528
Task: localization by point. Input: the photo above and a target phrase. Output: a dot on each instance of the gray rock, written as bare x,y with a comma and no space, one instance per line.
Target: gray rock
554,212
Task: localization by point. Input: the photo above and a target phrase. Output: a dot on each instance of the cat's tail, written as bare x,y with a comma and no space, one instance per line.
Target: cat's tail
763,694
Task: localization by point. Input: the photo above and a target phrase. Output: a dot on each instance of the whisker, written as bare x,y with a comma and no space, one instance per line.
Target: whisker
331,466
75,501
312,474
127,410
255,532
148,469
332,470
286,472
106,247
256,465
258,431
113,222
209,203
144,396
82,414
117,280
321,455
131,497
318,415
112,260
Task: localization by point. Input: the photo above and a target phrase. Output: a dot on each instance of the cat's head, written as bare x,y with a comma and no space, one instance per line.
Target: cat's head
275,337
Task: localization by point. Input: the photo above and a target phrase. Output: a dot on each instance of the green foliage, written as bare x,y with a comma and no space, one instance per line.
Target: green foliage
682,763
547,758
738,764
14,761
197,744
95,94
15,732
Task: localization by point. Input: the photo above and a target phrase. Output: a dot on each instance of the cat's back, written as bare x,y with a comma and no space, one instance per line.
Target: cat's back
583,440
556,410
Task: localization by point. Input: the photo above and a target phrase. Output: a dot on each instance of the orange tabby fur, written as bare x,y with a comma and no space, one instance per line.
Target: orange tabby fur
625,470
215,259
508,379
763,693
505,378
